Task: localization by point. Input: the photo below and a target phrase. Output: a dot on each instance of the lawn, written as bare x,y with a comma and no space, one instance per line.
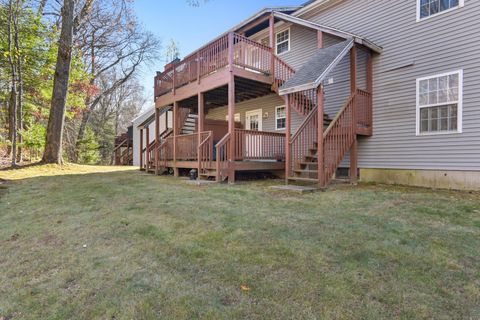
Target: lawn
111,243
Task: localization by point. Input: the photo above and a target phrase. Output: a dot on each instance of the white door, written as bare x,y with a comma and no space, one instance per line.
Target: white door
253,141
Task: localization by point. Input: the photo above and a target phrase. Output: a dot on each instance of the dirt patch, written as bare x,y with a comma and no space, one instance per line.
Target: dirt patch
51,240
14,237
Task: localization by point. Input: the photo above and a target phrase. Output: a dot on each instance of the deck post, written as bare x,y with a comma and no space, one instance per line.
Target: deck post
319,39
147,154
320,155
200,125
157,138
231,112
353,87
288,135
175,134
141,149
370,90
272,44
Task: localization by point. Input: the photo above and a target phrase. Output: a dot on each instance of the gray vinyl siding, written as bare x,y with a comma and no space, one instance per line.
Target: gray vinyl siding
266,103
444,43
303,43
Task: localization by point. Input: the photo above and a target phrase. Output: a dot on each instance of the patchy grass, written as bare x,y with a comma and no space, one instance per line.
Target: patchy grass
33,171
83,243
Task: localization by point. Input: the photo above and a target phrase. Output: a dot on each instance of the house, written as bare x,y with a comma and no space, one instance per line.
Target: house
387,91
123,153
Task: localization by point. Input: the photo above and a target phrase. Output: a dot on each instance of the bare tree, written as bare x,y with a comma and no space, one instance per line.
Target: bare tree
113,40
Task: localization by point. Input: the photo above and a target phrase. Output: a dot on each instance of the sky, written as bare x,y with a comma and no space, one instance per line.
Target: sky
193,27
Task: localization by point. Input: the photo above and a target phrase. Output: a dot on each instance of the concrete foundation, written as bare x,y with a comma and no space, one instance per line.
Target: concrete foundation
455,180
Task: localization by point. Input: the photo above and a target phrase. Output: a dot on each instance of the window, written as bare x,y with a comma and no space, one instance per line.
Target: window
280,118
428,8
236,117
283,41
439,103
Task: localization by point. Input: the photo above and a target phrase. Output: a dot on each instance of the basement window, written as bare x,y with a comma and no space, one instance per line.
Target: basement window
283,41
280,118
430,8
439,103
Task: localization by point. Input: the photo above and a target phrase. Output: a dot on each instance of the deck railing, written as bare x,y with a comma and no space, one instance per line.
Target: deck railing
363,107
187,147
259,145
247,54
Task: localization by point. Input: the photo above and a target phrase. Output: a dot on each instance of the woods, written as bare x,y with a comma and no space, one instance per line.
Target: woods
69,77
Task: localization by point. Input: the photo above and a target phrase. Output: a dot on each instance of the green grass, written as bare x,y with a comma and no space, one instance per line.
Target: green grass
157,248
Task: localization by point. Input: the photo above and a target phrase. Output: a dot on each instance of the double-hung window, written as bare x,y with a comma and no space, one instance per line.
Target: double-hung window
429,8
280,118
283,41
439,103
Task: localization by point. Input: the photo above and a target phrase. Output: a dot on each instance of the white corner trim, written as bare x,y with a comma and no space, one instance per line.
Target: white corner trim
459,104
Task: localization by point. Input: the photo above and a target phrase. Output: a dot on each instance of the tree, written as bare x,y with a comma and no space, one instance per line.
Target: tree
53,146
113,40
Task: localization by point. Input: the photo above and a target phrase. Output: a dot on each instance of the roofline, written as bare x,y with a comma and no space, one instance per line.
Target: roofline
247,21
318,81
309,5
143,114
337,32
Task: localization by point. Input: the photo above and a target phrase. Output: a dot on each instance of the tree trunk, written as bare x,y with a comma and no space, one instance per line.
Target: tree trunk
56,121
13,90
20,83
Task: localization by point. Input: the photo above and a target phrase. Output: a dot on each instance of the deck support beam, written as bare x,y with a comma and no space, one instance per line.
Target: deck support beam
319,39
288,135
200,125
157,138
231,112
147,154
320,156
141,149
175,134
271,31
353,86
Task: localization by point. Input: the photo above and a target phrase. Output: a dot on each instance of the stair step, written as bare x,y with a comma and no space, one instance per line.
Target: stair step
303,179
305,171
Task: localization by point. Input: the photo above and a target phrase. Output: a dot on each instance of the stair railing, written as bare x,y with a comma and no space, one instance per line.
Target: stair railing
222,161
205,152
303,140
338,139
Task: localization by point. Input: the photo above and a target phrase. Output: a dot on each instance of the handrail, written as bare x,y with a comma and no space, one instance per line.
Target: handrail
222,161
120,145
338,139
304,123
337,116
205,151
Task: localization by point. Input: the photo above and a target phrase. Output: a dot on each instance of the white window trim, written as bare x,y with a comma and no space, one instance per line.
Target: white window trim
235,116
289,41
461,3
276,118
459,104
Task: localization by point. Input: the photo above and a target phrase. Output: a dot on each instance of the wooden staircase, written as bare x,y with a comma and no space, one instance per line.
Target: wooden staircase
338,138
